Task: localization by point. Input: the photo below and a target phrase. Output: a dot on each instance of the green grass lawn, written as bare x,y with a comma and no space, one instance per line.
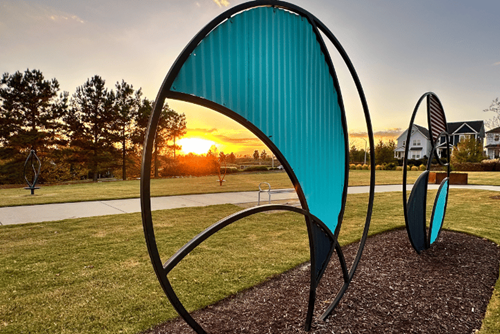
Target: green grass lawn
93,275
199,185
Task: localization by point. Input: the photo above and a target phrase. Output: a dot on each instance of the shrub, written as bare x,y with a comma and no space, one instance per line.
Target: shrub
414,168
365,167
408,167
359,167
256,169
399,168
421,167
352,166
379,167
229,170
391,166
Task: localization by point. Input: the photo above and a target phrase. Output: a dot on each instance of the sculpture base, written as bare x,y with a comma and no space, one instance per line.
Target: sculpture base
455,178
32,189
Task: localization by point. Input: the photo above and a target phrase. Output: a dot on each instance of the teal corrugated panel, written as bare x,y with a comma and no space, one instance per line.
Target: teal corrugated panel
438,217
266,65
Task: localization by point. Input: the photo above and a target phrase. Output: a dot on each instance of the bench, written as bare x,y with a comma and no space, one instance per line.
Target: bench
271,191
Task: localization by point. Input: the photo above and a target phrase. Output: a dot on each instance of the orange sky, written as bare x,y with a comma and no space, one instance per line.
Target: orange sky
206,127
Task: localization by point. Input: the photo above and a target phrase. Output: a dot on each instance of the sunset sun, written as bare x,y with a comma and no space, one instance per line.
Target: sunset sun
195,145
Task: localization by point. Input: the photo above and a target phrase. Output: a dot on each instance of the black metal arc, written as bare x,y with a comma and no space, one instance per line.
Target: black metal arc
193,243
343,289
405,164
364,103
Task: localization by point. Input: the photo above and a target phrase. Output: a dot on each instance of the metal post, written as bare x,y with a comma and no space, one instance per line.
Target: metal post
365,150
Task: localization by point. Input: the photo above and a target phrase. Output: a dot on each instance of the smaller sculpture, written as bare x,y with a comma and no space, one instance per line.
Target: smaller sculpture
415,208
32,171
221,160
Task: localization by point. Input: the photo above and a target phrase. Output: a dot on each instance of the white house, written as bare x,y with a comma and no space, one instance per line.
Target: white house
493,143
419,146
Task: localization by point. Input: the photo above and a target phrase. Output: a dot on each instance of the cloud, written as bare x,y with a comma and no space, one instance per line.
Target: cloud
393,133
20,13
239,137
239,141
221,3
202,130
497,63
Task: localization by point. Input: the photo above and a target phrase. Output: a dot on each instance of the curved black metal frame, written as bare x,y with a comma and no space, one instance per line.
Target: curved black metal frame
433,153
30,161
162,270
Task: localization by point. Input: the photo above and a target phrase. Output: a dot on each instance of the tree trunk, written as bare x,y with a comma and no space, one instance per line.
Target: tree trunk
124,168
156,160
94,166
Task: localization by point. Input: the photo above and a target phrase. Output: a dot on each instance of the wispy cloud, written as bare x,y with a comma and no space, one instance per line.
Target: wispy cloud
66,18
201,130
221,3
497,63
383,134
23,12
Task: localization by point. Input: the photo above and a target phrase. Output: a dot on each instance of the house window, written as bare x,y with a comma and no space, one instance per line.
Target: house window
416,142
404,143
462,137
497,137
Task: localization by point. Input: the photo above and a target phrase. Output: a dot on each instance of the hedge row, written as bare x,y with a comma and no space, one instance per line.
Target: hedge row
483,166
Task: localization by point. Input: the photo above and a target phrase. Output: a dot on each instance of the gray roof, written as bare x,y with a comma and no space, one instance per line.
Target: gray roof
476,125
424,131
495,130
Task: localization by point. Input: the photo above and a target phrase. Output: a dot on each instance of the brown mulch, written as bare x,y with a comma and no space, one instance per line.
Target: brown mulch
446,289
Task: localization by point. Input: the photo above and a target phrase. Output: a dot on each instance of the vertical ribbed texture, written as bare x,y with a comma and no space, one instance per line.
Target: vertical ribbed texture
438,216
266,65
437,119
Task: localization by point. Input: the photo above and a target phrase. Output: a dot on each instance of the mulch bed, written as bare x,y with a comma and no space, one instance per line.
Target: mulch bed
446,289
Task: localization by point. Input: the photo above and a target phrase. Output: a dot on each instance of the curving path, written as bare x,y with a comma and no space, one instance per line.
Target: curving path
60,211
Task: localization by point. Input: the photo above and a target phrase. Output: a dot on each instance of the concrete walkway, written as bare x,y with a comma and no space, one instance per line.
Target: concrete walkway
51,212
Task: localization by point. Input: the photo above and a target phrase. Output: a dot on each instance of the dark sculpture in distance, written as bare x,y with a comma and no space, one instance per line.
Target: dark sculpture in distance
32,168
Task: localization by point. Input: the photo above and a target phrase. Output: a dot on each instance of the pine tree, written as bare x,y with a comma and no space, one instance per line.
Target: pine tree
89,125
30,114
126,104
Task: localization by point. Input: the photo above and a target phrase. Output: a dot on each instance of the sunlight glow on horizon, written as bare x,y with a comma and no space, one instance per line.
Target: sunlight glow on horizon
196,145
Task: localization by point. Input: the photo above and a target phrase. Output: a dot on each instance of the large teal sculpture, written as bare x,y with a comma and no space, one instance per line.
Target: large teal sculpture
265,65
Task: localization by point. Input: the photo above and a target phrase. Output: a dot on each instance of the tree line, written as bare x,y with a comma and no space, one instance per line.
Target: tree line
95,131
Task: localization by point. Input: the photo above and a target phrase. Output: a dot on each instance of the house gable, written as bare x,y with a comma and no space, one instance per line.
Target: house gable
465,128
